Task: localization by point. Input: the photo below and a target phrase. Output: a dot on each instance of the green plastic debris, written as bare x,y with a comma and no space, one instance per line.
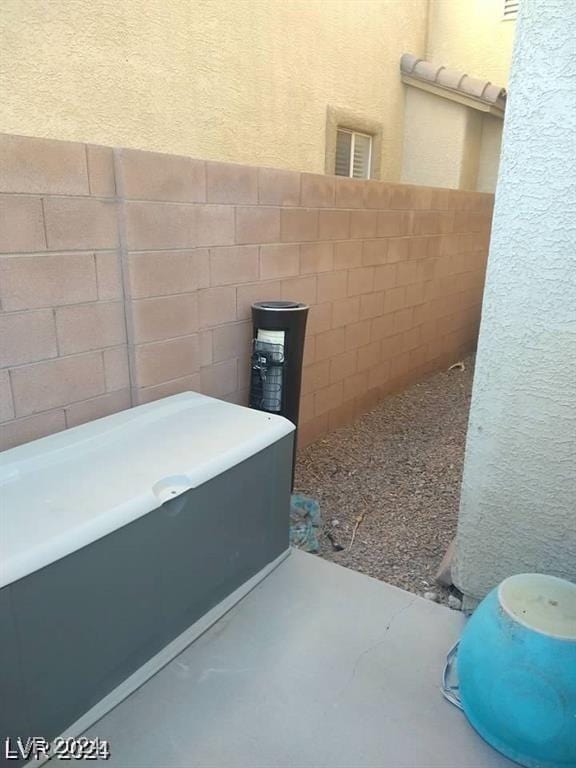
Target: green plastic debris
304,522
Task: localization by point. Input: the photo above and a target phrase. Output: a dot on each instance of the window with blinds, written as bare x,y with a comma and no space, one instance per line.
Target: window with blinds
353,154
510,9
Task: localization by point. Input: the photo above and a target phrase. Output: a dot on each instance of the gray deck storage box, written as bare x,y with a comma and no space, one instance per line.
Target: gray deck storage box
117,536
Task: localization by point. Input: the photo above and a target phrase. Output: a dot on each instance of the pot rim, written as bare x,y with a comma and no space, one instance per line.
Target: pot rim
551,611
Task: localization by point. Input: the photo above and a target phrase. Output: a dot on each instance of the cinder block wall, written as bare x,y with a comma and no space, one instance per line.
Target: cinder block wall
127,276
63,348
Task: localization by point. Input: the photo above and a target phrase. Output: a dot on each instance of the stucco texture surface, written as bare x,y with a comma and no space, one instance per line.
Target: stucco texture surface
229,80
518,506
490,147
470,35
434,140
448,144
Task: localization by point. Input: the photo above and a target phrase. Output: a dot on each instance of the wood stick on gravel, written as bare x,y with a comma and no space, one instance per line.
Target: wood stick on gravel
356,526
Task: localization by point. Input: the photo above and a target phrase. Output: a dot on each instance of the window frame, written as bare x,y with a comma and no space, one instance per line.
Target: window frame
340,118
353,133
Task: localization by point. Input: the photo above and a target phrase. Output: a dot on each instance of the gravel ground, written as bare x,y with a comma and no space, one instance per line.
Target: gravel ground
399,466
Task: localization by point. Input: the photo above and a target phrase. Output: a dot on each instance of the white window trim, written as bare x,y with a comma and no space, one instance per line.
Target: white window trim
352,145
343,118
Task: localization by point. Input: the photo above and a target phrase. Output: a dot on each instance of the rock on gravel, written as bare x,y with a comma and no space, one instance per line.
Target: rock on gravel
454,602
399,468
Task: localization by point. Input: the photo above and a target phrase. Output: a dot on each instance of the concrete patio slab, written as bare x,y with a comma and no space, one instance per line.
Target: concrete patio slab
317,666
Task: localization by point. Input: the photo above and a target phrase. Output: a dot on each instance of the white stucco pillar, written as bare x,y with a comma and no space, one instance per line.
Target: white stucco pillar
518,504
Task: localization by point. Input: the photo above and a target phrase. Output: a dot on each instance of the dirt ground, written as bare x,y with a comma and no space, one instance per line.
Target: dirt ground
400,468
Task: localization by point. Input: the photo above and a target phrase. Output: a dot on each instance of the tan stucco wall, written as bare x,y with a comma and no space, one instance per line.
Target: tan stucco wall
435,131
445,143
449,145
470,35
471,155
219,79
489,153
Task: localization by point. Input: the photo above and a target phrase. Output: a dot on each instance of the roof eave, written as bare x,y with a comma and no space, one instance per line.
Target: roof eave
454,95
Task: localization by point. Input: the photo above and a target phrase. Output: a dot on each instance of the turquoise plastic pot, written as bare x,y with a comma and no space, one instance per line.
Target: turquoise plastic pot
517,670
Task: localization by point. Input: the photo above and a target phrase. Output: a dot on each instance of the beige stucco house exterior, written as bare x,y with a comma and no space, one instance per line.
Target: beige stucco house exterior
452,127
517,509
449,141
261,82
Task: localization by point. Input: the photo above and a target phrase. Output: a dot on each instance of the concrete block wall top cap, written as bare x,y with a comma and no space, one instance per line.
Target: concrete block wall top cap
407,62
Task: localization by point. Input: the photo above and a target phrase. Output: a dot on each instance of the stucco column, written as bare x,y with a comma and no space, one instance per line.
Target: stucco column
518,505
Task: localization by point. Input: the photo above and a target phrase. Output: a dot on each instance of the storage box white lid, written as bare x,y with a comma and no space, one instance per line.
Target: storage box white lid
65,491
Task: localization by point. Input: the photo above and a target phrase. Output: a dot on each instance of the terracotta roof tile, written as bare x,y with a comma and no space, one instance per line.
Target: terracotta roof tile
426,70
450,78
407,62
453,79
